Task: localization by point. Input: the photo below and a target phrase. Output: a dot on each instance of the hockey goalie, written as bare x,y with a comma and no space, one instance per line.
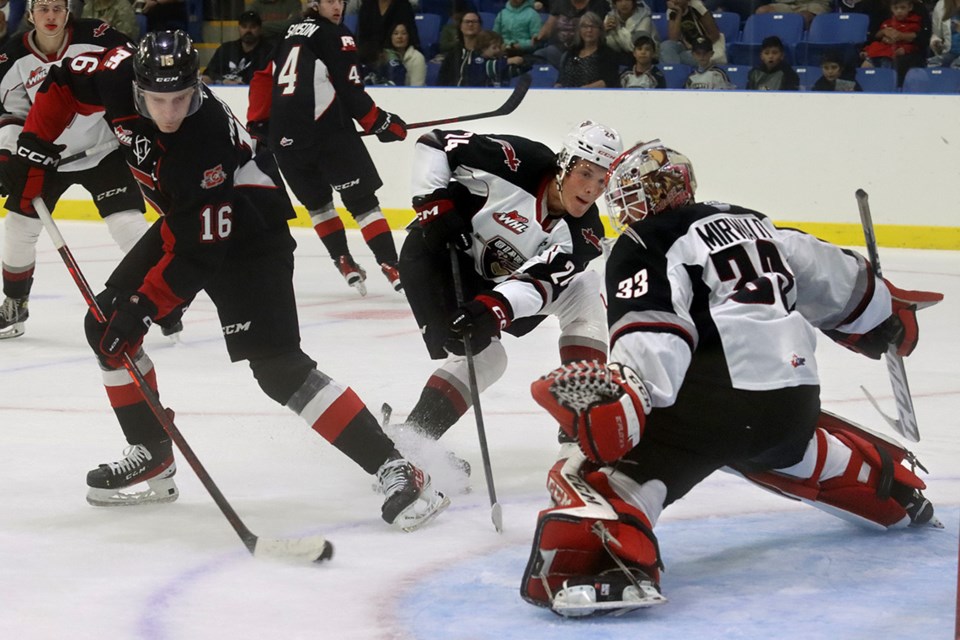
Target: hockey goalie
713,316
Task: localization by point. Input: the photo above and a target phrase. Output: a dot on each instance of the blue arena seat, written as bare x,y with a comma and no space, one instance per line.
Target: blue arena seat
729,24
787,26
440,7
486,19
428,28
543,75
738,74
675,74
195,19
932,80
808,75
660,23
350,22
843,32
877,80
433,73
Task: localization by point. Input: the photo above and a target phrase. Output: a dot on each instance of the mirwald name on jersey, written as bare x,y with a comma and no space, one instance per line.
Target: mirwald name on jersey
719,290
203,178
500,182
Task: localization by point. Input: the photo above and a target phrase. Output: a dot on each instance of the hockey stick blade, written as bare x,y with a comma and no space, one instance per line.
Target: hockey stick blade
508,107
892,422
312,549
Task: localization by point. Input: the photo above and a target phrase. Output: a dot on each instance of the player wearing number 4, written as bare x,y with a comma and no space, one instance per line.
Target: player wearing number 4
712,316
524,223
312,93
224,231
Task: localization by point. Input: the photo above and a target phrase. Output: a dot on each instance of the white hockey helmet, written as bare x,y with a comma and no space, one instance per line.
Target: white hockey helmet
589,141
646,180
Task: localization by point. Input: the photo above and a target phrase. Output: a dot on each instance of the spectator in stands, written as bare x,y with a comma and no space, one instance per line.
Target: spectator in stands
895,38
589,63
644,74
878,11
490,66
518,22
945,41
5,32
687,22
773,73
706,75
450,32
234,62
401,64
834,76
117,13
453,69
165,14
375,20
808,9
276,16
559,31
628,20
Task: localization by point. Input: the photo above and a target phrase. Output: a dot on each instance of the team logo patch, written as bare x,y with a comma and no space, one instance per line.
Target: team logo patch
3,58
100,30
141,149
512,220
213,177
347,43
797,361
35,78
510,156
500,258
286,142
591,237
124,136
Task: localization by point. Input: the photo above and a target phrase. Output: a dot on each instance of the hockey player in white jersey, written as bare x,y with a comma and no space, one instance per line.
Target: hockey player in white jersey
713,313
24,63
525,225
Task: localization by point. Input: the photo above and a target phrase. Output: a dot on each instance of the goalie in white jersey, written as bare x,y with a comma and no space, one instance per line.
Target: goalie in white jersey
713,313
24,63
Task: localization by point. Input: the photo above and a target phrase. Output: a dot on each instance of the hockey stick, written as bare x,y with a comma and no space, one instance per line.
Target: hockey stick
495,512
906,425
109,145
312,549
508,107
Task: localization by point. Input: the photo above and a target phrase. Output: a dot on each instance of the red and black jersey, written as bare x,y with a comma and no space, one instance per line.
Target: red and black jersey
316,85
214,194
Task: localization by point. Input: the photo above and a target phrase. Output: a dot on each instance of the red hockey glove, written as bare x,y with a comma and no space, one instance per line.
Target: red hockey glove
442,224
388,127
132,317
603,407
37,156
480,320
899,330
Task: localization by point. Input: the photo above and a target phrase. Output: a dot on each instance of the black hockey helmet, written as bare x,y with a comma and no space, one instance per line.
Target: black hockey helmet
166,61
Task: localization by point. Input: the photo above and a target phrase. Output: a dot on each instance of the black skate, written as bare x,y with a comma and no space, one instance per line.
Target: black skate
352,273
410,501
155,466
917,507
389,270
611,592
13,313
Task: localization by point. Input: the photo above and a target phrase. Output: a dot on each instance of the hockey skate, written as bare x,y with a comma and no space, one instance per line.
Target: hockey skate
614,591
13,313
392,275
139,464
411,501
352,273
917,506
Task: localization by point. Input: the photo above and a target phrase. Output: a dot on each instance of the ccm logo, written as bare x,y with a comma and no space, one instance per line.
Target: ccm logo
36,158
240,327
111,192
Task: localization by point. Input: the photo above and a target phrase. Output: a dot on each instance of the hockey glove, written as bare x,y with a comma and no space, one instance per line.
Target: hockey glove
479,320
442,224
259,130
39,152
388,127
5,175
602,407
900,330
132,317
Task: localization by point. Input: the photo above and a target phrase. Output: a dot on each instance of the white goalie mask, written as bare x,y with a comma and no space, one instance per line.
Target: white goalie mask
646,180
591,142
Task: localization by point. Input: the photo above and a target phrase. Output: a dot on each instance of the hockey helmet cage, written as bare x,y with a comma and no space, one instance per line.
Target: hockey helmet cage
646,180
72,8
165,62
592,142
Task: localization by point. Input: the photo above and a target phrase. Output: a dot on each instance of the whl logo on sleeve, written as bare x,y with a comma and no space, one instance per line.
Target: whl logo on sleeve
512,220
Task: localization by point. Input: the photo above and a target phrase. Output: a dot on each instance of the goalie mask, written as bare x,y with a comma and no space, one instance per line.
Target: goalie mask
646,180
591,142
166,62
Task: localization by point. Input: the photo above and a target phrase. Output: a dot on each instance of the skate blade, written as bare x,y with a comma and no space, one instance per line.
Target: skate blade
360,286
933,523
158,491
412,519
13,331
574,602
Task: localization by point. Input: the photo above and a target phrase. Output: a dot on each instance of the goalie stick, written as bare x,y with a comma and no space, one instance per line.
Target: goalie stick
906,424
495,512
312,548
508,107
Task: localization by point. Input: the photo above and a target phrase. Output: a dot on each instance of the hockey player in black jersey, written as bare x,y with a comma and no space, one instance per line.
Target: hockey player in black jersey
24,63
525,226
224,231
712,316
312,93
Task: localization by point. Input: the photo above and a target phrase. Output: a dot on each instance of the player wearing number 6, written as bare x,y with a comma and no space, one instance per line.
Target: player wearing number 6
713,313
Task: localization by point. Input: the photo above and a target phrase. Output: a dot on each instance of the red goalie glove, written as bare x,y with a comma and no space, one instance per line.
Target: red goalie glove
603,407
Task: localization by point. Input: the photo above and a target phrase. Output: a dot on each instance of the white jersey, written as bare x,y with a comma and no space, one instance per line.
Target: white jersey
23,68
717,292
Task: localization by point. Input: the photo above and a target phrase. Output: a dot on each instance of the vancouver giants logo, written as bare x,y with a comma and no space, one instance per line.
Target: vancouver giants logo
35,78
591,237
500,258
124,136
347,43
213,177
511,159
512,220
100,30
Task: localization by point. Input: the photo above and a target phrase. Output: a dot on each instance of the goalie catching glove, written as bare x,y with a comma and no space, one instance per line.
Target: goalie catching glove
602,407
900,330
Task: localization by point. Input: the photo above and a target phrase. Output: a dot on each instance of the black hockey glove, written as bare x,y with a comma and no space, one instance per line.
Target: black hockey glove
259,130
388,127
480,320
5,175
39,152
442,224
132,317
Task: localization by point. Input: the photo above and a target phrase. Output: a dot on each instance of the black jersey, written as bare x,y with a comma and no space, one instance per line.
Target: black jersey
500,182
717,292
316,84
214,195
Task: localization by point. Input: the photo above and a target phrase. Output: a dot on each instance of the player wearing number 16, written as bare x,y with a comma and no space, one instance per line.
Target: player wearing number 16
223,231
